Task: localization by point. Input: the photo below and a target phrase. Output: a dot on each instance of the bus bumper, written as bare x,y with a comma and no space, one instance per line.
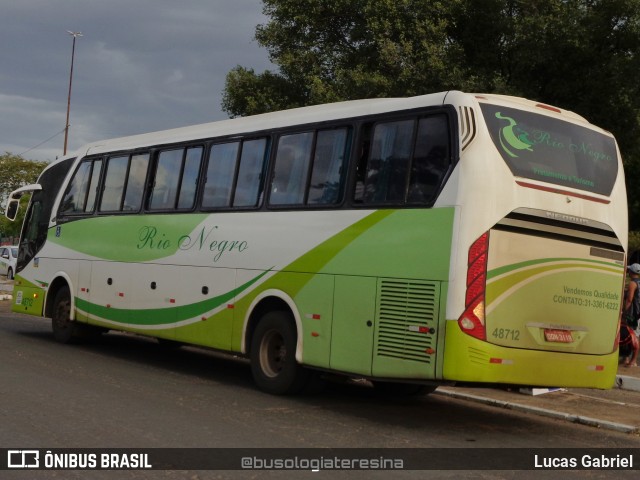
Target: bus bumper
28,299
468,359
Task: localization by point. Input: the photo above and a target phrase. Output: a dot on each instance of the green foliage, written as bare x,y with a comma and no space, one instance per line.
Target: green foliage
581,55
15,172
249,94
12,229
634,242
345,49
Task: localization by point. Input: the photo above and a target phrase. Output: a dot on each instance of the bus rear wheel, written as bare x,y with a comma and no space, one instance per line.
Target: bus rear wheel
273,349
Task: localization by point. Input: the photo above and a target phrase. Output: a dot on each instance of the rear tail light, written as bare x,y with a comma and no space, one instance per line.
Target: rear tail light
472,320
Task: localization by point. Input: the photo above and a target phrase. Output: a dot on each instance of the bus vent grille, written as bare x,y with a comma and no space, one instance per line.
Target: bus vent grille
467,126
407,319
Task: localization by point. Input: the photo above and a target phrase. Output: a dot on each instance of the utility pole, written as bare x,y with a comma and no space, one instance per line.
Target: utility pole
73,52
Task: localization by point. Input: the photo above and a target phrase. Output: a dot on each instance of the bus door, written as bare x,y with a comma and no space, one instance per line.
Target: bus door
352,330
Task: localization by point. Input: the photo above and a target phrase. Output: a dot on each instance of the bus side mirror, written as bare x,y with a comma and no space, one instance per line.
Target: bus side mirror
12,209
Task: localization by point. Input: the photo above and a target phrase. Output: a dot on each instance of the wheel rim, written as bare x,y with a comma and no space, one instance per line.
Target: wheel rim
273,353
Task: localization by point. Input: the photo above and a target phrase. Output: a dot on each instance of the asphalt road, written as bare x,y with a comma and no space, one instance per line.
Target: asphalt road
126,391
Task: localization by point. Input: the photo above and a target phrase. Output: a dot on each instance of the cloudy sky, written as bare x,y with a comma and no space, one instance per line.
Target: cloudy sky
140,66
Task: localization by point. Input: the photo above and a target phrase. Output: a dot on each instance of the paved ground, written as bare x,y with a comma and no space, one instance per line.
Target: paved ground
616,409
6,286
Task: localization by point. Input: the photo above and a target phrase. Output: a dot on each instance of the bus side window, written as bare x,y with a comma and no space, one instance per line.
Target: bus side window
220,172
76,194
94,184
190,174
328,167
403,162
385,178
82,190
431,159
116,173
135,182
291,169
165,186
309,168
250,173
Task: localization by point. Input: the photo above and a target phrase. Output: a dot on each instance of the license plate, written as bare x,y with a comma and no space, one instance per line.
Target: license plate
559,336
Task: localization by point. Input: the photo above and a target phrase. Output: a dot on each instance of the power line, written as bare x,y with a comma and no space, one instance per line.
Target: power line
43,142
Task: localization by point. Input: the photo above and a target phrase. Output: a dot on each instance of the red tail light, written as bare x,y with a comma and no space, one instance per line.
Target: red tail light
472,320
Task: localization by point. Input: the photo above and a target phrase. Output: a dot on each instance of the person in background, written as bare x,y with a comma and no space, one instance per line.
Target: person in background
629,344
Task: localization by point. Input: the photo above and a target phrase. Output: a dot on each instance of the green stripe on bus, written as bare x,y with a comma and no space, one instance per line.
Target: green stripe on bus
499,285
539,261
162,316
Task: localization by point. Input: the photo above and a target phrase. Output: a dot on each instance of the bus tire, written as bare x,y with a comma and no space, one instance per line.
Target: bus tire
10,274
273,349
64,329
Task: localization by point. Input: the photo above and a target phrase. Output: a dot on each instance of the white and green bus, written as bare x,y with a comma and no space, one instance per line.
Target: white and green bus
421,241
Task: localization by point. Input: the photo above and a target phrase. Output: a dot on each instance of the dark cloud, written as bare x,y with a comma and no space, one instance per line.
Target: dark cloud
141,65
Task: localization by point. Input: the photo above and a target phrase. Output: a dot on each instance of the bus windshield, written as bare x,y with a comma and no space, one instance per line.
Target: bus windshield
543,148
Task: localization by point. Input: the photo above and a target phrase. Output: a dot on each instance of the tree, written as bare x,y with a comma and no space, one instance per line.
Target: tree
15,172
345,49
581,55
248,94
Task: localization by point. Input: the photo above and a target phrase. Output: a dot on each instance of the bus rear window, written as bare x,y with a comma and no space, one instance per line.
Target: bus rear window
542,148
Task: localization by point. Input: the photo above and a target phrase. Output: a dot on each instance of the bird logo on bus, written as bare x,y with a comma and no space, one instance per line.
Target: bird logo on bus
513,138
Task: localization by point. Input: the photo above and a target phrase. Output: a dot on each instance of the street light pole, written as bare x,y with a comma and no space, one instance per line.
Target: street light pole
73,52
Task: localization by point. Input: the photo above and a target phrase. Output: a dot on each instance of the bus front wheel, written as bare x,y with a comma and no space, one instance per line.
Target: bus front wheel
64,329
273,349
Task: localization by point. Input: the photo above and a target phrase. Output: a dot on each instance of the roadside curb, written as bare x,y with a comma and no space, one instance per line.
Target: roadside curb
625,382
569,417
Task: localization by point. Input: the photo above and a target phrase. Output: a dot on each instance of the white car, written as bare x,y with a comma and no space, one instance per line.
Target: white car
8,259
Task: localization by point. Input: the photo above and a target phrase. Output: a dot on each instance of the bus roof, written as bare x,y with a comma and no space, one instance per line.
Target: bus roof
283,118
308,115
